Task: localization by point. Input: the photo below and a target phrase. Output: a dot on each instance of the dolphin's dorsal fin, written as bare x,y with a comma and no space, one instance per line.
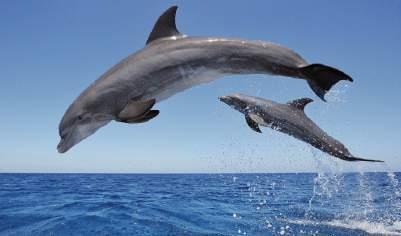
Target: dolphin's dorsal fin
300,103
165,26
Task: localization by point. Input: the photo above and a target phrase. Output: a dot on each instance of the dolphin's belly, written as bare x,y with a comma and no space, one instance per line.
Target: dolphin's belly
319,139
295,130
183,78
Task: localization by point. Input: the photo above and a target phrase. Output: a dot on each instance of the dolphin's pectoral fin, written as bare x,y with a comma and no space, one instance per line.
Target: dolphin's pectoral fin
148,116
300,103
252,124
165,26
135,110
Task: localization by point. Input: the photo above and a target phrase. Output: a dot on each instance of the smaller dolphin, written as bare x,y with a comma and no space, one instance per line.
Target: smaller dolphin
289,119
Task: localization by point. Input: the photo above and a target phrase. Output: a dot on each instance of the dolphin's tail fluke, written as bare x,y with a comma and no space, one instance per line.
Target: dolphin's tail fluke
352,158
321,78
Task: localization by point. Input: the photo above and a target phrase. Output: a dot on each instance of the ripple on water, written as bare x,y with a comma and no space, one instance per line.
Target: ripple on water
253,204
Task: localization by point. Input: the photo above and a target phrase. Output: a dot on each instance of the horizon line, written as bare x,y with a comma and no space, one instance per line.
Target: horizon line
196,173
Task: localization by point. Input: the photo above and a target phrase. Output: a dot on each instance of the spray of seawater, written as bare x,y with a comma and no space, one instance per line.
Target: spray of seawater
351,199
364,214
393,198
338,94
327,183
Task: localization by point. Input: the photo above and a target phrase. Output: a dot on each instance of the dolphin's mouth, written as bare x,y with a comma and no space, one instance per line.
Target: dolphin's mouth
225,99
229,101
235,102
67,139
62,147
78,133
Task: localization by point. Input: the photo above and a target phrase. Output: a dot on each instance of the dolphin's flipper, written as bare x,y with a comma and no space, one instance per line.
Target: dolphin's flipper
352,158
300,103
165,26
252,124
135,110
148,116
321,78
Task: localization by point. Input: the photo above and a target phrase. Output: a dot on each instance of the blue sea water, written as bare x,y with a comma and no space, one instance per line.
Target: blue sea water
200,204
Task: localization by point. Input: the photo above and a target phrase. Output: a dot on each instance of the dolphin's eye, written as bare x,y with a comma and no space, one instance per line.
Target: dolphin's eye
83,118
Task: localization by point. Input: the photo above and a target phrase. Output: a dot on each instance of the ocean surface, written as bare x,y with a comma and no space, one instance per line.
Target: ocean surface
200,204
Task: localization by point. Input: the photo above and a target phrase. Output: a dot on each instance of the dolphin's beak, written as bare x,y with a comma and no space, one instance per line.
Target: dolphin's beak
225,99
235,102
78,133
62,147
66,141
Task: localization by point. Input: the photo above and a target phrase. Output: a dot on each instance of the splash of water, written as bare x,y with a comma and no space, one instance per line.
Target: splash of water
394,199
366,226
338,93
329,177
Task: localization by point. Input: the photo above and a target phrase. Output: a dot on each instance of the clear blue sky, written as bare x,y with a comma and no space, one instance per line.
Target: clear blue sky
51,50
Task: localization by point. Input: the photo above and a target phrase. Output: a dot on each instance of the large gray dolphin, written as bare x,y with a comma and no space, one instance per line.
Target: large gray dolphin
290,119
172,62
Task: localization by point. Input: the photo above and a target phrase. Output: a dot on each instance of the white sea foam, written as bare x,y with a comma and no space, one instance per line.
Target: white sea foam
368,227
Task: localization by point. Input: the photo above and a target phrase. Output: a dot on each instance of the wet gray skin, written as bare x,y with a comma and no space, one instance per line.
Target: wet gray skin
172,62
290,119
